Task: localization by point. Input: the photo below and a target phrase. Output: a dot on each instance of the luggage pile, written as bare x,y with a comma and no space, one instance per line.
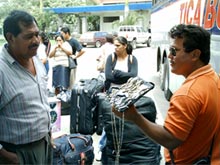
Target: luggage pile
135,147
77,147
83,114
90,112
73,149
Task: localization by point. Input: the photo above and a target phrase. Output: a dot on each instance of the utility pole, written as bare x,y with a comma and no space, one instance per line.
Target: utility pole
126,9
41,6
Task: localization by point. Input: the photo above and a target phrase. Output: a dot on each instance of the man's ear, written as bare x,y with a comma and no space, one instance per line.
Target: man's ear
196,53
9,37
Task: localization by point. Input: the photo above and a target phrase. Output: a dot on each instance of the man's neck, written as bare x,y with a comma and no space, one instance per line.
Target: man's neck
69,37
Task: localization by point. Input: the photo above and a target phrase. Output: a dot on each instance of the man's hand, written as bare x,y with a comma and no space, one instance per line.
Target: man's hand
73,56
130,114
7,157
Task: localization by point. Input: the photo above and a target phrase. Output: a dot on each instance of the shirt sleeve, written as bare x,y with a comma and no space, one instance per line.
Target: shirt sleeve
41,51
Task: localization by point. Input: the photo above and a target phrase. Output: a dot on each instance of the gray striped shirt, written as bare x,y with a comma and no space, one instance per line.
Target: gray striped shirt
24,109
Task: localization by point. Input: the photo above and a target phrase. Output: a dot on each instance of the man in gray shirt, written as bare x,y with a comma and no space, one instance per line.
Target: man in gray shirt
24,109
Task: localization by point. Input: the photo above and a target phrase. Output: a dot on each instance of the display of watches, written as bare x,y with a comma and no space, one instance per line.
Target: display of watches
1,146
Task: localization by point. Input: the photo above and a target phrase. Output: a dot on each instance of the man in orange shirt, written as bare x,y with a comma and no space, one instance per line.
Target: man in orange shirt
192,126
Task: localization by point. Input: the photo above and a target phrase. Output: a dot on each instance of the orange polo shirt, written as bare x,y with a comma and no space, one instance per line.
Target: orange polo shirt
194,116
216,150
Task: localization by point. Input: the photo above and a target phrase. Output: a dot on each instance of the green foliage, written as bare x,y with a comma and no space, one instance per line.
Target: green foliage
93,23
131,19
47,21
2,41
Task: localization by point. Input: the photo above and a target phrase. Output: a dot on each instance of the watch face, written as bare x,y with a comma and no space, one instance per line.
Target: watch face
53,115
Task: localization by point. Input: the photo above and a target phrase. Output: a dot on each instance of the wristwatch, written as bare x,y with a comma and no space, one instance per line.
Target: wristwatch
1,146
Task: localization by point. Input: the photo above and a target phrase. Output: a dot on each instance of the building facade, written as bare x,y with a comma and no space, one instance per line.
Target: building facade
110,11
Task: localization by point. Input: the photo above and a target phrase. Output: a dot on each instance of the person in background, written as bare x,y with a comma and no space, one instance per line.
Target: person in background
120,66
61,72
24,108
76,47
106,49
41,52
191,130
47,43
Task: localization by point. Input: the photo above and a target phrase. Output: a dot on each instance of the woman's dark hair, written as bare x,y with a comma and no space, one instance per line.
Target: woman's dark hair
44,37
46,41
14,19
194,37
59,35
122,40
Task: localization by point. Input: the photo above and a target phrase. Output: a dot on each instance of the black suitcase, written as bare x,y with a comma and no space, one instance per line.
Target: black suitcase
74,149
136,147
83,117
102,102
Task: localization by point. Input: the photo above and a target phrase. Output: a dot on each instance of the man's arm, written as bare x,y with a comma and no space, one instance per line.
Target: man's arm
80,53
156,132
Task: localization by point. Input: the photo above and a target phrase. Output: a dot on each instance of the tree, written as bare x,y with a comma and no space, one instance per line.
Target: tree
131,19
93,23
46,20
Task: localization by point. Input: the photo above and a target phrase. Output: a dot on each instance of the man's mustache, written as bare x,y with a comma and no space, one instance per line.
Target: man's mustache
33,46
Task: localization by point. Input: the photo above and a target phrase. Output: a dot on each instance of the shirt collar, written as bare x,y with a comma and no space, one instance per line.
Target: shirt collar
6,55
201,71
9,58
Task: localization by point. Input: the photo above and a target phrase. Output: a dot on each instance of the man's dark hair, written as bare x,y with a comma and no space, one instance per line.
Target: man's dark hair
14,19
65,30
194,37
109,38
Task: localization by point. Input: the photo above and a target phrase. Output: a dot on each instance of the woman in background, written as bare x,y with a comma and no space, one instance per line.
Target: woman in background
122,65
61,71
47,43
41,51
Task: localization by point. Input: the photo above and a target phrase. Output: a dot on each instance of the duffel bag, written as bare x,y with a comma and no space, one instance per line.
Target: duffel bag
74,149
136,147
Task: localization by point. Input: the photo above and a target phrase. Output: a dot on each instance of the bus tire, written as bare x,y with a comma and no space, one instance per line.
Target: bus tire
162,72
149,42
134,44
167,92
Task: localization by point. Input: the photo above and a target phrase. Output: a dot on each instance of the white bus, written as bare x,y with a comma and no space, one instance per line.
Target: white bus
167,13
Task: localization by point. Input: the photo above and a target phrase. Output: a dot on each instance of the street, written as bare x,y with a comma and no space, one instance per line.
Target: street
146,69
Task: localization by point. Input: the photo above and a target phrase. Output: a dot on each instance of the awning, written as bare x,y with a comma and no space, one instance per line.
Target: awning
100,8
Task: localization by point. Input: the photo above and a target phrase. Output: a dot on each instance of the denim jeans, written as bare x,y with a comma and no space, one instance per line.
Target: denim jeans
102,141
